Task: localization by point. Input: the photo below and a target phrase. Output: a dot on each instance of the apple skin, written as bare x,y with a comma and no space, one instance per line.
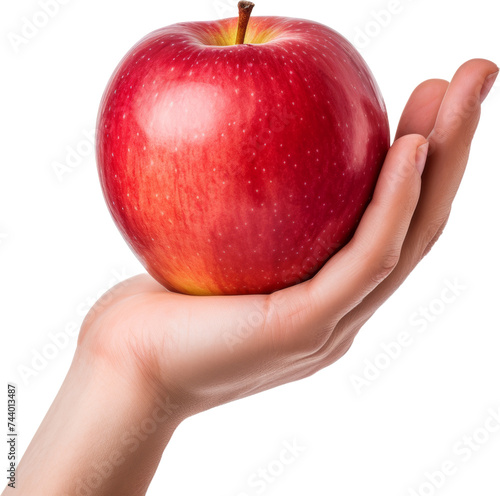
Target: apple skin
238,169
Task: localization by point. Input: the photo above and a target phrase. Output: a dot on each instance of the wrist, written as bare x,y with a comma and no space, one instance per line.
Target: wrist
103,435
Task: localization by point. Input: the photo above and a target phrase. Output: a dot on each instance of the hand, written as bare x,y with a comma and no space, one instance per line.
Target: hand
153,358
205,351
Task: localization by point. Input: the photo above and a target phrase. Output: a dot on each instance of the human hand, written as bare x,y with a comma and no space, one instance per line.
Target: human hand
204,351
147,358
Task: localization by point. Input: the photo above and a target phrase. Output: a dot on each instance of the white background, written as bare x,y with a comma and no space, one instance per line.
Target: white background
59,250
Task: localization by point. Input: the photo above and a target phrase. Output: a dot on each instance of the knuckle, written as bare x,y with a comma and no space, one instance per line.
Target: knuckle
383,265
404,171
344,347
433,234
439,135
311,370
319,340
460,119
336,350
339,340
292,332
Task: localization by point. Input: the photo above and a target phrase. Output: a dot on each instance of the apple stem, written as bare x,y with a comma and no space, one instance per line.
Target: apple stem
244,9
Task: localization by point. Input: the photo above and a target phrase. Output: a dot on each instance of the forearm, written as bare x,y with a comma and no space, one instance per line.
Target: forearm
103,435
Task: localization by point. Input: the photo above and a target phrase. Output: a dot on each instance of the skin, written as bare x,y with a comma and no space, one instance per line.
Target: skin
141,346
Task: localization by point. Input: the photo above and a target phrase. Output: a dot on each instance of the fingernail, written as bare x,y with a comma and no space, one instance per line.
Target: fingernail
421,157
488,83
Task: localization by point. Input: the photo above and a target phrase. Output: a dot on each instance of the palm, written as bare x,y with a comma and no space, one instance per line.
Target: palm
216,349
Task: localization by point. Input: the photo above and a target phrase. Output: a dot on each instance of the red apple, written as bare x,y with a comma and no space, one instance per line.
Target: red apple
240,168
